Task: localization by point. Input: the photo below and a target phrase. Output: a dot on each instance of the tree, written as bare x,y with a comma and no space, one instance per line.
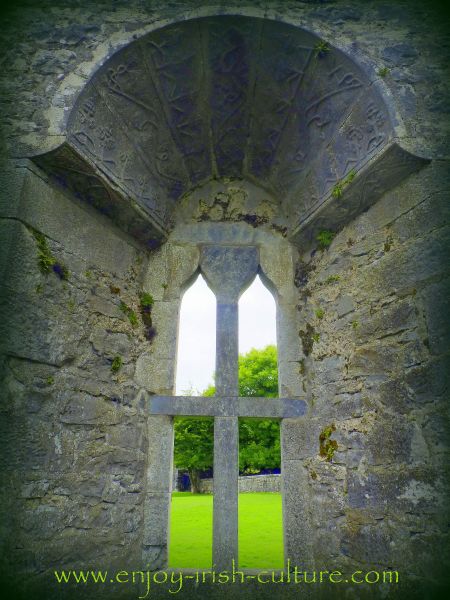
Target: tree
194,444
259,439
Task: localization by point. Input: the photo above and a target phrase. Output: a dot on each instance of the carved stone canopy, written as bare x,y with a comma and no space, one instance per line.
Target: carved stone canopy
234,97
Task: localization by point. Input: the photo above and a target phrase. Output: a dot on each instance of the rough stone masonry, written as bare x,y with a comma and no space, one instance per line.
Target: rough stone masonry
136,133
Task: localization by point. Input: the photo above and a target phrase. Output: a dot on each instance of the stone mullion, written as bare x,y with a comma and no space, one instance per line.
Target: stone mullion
226,440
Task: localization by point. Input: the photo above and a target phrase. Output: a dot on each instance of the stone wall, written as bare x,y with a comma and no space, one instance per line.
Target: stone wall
374,309
248,484
367,471
74,437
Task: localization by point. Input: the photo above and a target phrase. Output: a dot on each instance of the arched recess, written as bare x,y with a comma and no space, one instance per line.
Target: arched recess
231,97
207,102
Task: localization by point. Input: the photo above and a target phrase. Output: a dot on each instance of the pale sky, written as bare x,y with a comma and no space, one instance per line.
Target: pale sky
197,331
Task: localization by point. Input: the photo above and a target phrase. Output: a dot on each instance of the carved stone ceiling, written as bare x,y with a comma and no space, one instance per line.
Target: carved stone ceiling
229,97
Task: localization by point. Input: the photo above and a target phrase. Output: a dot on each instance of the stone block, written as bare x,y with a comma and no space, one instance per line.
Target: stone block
83,409
111,344
299,438
345,305
329,369
416,490
368,543
436,301
156,374
389,320
297,526
389,441
156,523
160,453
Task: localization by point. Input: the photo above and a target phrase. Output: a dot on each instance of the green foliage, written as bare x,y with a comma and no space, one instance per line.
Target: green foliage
321,48
258,373
50,380
316,337
116,364
259,439
332,279
327,447
129,312
338,188
46,261
383,71
325,237
146,300
355,324
88,274
320,313
194,443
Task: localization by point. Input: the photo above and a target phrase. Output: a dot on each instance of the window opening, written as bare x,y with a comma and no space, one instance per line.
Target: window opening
191,508
260,517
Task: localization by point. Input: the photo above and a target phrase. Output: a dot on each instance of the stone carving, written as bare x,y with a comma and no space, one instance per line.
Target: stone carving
391,166
227,96
231,46
177,63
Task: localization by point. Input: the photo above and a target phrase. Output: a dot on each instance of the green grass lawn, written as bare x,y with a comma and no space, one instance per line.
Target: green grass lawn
260,531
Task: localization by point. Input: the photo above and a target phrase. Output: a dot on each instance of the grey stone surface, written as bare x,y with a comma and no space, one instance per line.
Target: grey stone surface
248,484
273,408
127,104
87,469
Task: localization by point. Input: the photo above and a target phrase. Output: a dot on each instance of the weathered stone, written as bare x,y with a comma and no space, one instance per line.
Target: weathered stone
436,299
400,54
344,306
111,344
247,96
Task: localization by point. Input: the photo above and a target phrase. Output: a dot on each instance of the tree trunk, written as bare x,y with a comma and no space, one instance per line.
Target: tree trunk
194,476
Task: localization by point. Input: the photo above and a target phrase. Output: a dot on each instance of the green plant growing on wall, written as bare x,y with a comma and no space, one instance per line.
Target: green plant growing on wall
325,237
47,262
355,324
308,338
129,312
116,364
320,313
332,279
338,188
383,71
327,447
50,380
321,49
146,302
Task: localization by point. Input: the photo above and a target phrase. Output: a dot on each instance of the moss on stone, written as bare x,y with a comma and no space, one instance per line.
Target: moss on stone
320,313
116,364
332,279
339,186
321,48
327,447
129,312
146,300
325,237
308,338
46,261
